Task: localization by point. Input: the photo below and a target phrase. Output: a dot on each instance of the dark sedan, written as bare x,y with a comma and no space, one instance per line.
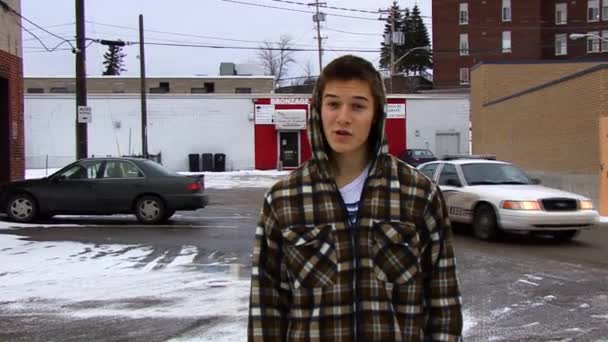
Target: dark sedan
416,157
104,186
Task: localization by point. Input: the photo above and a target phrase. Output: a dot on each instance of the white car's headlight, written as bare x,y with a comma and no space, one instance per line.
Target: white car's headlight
585,205
521,205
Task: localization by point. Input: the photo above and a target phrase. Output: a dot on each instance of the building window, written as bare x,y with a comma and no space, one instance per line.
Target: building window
464,13
58,90
605,41
506,10
593,42
35,90
464,44
163,88
464,76
561,44
242,91
209,87
593,10
605,10
561,13
506,41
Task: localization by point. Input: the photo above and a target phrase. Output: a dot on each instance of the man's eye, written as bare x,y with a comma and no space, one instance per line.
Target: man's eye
333,104
359,107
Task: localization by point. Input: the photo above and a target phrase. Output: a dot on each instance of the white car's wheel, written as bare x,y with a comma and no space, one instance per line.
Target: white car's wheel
485,226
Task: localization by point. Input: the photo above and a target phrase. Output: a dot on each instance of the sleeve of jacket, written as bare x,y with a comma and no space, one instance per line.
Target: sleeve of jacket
444,301
270,289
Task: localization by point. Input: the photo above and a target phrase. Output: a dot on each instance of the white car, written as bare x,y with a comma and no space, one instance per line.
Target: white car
494,196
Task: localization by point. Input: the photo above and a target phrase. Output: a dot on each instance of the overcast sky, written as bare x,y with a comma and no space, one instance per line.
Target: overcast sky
227,21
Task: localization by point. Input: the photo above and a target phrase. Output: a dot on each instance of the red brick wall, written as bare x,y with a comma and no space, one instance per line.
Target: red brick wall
532,29
11,68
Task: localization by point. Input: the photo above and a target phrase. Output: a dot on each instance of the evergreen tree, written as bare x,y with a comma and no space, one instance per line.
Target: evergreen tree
113,61
385,54
420,59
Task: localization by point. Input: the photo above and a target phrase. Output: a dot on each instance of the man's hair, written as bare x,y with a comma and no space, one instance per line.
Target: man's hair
347,68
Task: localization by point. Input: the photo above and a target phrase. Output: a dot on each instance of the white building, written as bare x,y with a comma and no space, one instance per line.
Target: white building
179,125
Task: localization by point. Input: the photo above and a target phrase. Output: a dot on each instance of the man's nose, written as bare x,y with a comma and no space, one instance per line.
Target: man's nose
344,115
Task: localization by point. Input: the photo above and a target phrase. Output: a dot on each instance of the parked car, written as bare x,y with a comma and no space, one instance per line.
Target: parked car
416,157
105,186
495,196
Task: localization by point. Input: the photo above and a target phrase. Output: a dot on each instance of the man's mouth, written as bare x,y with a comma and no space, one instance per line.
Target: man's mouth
343,132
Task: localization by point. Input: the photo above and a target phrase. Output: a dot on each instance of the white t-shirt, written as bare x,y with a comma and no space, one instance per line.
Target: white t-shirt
351,194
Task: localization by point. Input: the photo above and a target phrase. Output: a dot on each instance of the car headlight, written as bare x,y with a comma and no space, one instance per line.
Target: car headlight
521,205
585,205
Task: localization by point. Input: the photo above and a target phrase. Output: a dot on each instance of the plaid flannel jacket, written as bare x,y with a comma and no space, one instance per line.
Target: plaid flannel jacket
392,277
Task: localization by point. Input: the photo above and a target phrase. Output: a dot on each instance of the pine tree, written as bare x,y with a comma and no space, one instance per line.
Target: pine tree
406,28
113,61
420,59
385,54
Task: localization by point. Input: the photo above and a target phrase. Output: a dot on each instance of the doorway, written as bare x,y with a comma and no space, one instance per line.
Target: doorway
289,149
447,144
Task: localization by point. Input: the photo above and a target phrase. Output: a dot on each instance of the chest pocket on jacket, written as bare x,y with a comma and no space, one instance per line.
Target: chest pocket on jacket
396,251
311,256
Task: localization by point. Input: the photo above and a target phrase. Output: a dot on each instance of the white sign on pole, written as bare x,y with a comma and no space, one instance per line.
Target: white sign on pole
395,111
264,114
85,114
290,119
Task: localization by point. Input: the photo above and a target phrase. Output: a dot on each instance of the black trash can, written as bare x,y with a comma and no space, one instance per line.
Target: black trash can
195,162
207,161
220,162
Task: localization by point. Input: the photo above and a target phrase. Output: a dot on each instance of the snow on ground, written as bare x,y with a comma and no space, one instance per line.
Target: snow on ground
213,180
79,280
43,276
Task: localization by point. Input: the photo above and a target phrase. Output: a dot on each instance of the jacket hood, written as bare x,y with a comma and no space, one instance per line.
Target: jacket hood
320,147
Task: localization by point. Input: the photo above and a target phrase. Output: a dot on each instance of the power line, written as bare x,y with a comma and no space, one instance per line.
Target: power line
12,10
354,33
329,7
296,10
199,36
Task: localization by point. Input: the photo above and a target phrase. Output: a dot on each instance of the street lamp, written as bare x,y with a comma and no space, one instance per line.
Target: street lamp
426,48
575,36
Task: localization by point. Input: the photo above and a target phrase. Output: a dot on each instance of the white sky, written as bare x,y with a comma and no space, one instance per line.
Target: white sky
211,18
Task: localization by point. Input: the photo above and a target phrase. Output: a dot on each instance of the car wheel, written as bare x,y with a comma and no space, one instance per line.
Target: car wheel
485,226
565,235
150,210
22,208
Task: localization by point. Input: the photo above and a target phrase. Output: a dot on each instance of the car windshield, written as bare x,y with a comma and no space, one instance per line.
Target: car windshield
490,173
157,168
423,154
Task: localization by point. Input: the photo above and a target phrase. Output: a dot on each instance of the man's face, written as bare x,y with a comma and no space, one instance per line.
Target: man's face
347,113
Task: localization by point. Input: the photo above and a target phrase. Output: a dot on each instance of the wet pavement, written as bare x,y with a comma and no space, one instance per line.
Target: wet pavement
111,279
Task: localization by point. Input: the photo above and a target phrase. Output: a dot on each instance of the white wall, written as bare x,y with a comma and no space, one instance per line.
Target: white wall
177,126
430,115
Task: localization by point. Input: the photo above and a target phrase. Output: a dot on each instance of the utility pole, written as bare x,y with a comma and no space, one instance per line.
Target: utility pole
81,81
318,18
144,109
395,39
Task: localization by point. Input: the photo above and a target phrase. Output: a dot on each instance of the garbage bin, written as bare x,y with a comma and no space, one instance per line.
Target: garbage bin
207,161
195,162
220,162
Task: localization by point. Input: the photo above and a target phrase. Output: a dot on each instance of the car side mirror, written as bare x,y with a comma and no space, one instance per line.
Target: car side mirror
59,178
536,181
454,182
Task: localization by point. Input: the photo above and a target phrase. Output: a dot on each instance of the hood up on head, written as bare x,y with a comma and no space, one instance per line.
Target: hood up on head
320,147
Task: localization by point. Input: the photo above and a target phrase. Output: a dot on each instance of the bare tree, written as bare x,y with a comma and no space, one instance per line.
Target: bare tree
276,57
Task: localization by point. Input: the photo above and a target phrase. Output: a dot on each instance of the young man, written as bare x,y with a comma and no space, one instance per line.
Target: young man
354,245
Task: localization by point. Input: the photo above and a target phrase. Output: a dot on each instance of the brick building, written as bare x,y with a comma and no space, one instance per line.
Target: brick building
546,118
467,32
11,93
233,84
